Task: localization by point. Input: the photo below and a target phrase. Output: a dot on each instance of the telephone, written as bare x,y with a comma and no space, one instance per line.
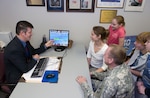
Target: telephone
2,44
43,40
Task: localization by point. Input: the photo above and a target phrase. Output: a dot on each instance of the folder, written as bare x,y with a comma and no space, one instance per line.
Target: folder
53,79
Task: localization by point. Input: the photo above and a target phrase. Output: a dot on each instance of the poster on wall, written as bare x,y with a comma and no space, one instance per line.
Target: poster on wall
135,5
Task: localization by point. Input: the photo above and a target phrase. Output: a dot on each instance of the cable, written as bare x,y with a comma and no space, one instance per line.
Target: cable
65,53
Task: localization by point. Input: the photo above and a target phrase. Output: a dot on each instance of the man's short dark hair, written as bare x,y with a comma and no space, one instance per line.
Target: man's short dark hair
22,26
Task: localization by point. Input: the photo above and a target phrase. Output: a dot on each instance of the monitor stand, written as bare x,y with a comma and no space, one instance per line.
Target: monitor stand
59,48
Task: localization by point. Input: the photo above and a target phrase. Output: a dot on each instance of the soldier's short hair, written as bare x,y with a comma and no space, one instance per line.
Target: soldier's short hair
118,53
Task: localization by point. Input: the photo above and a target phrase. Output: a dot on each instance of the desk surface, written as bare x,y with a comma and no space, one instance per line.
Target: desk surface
74,64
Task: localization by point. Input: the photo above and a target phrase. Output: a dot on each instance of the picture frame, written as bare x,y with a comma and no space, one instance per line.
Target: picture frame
135,5
80,5
35,2
106,16
110,3
55,5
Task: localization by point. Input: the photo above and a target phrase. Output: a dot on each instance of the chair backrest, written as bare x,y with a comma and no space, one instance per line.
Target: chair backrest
6,37
2,68
3,85
129,44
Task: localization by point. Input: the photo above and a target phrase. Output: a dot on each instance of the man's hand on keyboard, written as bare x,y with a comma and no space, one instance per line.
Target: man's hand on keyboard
36,57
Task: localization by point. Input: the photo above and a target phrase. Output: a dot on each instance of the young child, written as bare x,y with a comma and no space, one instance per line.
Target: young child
97,48
145,83
138,60
117,31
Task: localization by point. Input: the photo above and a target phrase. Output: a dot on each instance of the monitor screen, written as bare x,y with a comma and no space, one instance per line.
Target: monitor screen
60,37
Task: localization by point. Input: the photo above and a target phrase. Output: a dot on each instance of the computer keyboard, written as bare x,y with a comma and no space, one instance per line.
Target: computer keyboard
40,68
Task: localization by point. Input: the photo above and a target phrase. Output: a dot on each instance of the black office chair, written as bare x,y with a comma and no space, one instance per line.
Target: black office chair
4,86
129,56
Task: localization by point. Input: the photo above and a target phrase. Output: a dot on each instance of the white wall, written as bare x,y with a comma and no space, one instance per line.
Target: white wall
79,24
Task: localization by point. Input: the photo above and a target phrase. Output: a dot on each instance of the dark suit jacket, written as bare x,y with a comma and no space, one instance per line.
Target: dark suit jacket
147,92
16,60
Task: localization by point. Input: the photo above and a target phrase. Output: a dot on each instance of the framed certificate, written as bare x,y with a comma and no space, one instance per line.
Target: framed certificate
35,2
106,16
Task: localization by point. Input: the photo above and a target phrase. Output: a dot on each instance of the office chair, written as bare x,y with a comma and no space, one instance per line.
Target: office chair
4,86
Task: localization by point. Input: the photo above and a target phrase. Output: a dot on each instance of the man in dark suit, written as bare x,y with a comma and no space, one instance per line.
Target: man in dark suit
19,55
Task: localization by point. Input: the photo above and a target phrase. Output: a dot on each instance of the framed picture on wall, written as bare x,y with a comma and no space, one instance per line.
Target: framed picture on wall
35,2
135,5
110,3
80,5
106,16
55,5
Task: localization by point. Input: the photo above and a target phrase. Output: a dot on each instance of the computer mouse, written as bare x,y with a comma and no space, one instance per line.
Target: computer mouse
50,76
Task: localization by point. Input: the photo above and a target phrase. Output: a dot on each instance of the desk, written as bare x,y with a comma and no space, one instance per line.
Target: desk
74,64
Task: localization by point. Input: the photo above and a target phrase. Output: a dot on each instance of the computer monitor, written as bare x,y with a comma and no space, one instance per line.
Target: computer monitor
60,38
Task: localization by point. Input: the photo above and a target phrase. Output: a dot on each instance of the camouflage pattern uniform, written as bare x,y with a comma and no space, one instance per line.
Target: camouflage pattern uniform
118,83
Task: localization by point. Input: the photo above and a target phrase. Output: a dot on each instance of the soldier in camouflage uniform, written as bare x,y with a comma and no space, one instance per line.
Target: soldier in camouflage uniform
117,81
